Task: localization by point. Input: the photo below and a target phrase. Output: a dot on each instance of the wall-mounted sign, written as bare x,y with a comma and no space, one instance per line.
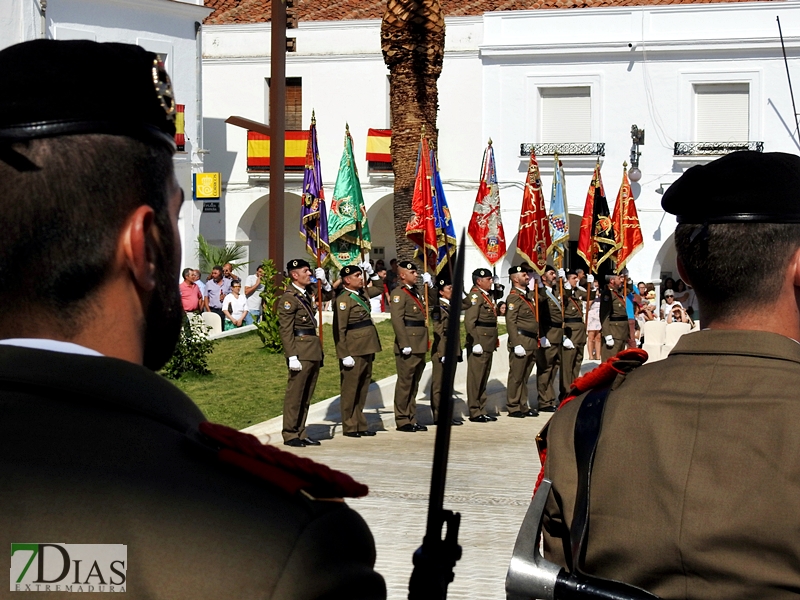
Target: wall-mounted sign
206,185
211,207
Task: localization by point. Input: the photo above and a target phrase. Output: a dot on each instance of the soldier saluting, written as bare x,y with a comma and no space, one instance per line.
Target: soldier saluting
523,338
410,344
356,344
440,317
480,321
302,348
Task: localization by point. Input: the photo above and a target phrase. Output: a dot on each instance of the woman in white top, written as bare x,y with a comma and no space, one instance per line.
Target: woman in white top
234,306
593,326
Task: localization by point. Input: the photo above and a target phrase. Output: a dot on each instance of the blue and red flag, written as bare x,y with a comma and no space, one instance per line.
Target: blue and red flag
313,215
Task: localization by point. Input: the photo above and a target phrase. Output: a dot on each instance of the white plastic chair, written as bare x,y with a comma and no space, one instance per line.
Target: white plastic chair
655,332
675,331
654,351
212,320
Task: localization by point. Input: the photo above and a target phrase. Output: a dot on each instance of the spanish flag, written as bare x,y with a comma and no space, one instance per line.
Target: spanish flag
379,144
180,127
295,147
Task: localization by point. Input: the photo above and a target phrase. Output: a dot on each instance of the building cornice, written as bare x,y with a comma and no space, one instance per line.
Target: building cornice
173,7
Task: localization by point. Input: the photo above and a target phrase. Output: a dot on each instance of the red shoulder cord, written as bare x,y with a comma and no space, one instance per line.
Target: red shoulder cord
602,376
289,472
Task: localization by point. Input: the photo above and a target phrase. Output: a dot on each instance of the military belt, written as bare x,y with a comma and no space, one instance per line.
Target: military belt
299,332
413,323
619,318
573,320
485,324
359,325
529,334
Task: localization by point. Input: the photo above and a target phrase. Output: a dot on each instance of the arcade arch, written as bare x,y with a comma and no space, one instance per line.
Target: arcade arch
381,227
252,230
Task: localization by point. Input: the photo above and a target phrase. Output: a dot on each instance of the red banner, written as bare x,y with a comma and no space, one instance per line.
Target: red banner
421,228
626,224
486,226
533,240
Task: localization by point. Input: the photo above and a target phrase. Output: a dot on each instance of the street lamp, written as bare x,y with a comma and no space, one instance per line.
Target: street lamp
637,137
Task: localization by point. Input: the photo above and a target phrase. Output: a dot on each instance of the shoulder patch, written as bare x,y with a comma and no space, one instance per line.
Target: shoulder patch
396,299
510,306
287,471
287,305
342,305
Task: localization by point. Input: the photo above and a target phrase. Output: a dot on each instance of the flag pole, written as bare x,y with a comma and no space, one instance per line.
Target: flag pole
560,264
319,283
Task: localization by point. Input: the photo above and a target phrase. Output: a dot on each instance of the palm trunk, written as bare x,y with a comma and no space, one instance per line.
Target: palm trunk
412,40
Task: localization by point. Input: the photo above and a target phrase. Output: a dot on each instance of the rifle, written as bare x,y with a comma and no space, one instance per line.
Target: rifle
435,560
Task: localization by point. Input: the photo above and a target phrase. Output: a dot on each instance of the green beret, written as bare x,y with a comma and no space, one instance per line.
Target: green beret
741,187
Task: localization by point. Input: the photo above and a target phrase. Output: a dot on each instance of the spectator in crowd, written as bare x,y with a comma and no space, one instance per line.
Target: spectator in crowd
642,287
681,292
191,298
391,275
378,303
215,294
581,278
234,306
668,303
198,279
501,309
677,314
593,326
669,284
252,289
229,275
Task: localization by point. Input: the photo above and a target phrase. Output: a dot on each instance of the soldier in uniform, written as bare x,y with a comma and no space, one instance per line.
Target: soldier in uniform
574,332
440,317
407,307
613,318
551,331
357,343
480,322
297,310
121,456
523,340
697,460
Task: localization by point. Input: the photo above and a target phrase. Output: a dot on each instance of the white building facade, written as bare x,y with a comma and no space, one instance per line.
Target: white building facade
695,77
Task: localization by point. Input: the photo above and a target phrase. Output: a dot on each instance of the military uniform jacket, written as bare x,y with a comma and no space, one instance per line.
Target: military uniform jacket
551,324
297,320
118,459
354,332
440,318
692,496
521,317
573,309
613,314
408,320
480,320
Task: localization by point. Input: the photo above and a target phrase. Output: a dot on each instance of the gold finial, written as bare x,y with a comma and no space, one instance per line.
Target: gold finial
624,164
347,127
313,117
490,141
423,130
555,155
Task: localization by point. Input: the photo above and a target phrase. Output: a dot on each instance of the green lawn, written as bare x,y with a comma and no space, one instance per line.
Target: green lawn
247,384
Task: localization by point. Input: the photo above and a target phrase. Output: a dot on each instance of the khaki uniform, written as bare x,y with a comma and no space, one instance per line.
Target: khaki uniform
298,330
613,321
575,330
523,330
440,318
548,360
480,321
407,307
119,459
695,485
355,335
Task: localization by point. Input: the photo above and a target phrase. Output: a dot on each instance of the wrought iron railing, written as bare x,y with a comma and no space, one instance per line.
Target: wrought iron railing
714,148
570,149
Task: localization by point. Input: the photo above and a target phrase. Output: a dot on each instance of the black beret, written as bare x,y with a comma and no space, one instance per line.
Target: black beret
517,269
349,270
56,87
549,268
481,273
407,264
442,282
740,187
297,263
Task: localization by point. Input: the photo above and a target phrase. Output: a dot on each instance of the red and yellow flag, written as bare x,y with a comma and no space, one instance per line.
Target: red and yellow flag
180,127
379,145
421,227
596,242
295,145
533,240
626,223
486,227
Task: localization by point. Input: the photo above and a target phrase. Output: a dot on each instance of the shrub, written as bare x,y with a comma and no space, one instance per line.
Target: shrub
268,327
191,353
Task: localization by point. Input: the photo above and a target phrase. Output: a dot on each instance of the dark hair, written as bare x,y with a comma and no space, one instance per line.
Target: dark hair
216,268
186,271
62,216
721,260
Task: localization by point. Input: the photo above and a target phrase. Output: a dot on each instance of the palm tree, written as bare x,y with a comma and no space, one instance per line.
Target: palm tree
412,40
210,255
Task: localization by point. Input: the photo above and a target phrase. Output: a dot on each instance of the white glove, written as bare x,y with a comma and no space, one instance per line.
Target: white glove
562,274
519,351
294,364
319,273
441,360
365,266
609,341
567,285
567,343
427,279
590,278
406,351
348,362
477,349
544,342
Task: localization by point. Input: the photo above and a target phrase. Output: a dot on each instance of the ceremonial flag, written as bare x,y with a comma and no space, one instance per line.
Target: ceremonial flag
313,216
485,226
421,228
534,240
445,231
596,242
559,221
348,229
626,223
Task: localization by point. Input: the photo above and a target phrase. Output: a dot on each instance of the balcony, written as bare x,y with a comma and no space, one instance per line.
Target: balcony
564,149
688,154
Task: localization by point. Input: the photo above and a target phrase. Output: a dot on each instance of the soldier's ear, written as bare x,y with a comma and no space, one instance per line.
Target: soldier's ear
794,268
682,272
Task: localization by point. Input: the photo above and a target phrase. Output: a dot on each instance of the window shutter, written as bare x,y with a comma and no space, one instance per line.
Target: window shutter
566,115
722,112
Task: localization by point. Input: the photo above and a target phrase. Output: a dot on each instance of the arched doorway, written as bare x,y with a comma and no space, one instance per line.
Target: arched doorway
381,228
252,230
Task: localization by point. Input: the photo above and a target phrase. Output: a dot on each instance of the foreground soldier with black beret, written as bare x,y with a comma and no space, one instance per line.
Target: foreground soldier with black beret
694,485
95,448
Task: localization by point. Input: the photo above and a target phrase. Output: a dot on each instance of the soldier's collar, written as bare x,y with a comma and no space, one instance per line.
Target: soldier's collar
519,289
347,289
445,300
300,289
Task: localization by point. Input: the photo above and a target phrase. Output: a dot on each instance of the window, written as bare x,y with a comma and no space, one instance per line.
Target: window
294,103
722,112
566,114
